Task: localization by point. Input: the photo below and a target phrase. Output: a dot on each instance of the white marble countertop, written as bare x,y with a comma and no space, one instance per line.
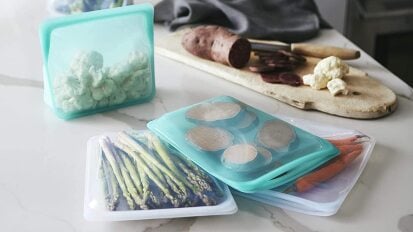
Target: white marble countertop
42,158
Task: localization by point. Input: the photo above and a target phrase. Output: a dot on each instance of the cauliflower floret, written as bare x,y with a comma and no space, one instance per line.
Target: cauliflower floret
98,76
67,85
308,79
331,67
87,59
88,85
118,96
315,81
337,86
119,72
84,64
84,102
138,60
107,88
70,95
122,71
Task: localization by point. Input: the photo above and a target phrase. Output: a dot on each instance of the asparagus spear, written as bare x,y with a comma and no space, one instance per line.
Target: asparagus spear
139,137
181,195
158,173
142,165
126,139
207,193
109,183
194,179
180,181
145,184
108,152
145,138
165,156
159,183
129,182
132,171
203,175
154,200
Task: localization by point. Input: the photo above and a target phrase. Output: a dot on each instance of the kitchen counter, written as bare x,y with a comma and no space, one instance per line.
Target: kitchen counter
42,158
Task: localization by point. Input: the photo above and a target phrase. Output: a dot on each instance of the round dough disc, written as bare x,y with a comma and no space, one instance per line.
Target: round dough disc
240,154
215,111
210,138
276,134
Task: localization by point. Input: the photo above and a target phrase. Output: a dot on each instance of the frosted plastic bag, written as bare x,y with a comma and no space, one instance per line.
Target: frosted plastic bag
124,182
99,60
325,198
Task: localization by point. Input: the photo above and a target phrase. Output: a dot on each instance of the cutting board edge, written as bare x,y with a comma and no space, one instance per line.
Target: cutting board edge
384,111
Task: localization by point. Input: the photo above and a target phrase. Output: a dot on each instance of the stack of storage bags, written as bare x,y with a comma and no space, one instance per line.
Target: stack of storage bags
176,167
184,164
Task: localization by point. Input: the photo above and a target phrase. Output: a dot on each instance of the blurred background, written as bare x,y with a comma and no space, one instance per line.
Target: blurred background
382,28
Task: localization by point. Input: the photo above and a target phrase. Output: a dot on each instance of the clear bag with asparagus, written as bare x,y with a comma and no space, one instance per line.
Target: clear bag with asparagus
133,175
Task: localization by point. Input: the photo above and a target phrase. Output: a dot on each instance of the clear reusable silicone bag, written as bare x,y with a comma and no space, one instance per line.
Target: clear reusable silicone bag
126,183
324,198
242,146
98,61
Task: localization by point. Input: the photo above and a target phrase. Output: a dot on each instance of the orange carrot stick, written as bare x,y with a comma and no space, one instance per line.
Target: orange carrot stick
325,173
345,141
350,157
344,149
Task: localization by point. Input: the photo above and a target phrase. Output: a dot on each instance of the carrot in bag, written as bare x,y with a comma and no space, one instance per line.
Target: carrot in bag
344,149
346,141
325,173
350,148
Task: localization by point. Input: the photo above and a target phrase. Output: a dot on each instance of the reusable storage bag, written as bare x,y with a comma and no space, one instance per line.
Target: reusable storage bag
98,61
324,198
132,175
242,146
66,7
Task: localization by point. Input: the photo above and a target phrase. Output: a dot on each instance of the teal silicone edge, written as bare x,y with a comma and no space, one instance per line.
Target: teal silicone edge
49,25
296,173
301,166
251,186
311,162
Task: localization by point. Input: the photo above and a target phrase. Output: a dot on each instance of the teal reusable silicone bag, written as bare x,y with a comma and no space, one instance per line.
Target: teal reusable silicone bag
98,61
264,152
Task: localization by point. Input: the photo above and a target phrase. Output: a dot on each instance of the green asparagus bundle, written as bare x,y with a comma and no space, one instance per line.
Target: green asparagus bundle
141,168
109,184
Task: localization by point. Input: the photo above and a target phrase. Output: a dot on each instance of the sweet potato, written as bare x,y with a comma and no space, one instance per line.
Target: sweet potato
217,44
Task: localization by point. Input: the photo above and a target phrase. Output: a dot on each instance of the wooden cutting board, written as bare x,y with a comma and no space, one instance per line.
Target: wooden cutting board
368,98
